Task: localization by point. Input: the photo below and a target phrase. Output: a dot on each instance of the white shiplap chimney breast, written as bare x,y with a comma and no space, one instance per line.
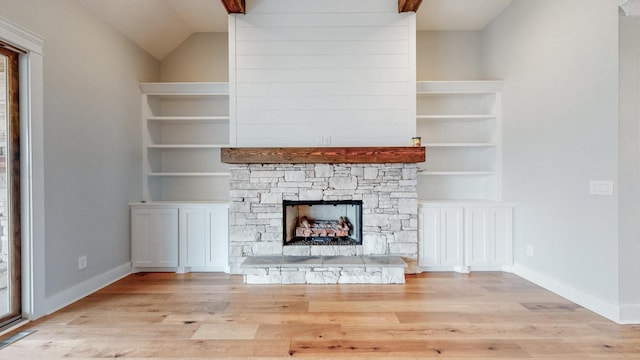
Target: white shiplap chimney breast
322,72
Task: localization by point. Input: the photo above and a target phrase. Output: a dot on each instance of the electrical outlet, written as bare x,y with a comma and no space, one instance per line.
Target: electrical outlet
601,187
326,140
529,250
82,262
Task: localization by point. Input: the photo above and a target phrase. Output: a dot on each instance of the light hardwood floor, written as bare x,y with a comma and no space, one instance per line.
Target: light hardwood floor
434,315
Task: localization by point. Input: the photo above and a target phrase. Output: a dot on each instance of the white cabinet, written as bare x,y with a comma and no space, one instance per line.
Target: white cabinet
194,231
203,237
154,235
465,236
441,233
184,127
180,236
488,231
460,126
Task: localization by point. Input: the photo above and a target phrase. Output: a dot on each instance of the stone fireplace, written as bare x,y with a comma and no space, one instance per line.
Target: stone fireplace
260,192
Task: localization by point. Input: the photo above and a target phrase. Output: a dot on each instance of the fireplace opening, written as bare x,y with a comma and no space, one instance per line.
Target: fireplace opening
322,222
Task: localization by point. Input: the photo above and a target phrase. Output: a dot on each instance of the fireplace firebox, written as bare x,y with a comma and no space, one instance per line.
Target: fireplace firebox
322,222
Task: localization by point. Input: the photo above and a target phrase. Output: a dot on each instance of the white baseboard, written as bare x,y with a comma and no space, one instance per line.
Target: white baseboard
75,293
629,314
183,269
221,268
462,269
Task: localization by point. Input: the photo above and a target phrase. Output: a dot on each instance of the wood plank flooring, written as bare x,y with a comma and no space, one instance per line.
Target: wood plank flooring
433,315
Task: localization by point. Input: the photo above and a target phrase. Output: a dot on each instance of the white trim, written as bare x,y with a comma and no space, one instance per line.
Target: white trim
32,165
219,268
593,303
629,314
630,7
458,269
459,87
233,105
20,37
624,7
77,292
412,126
185,88
464,269
183,269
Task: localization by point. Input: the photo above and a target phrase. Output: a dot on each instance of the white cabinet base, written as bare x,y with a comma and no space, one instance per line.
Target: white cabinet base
194,236
465,237
155,231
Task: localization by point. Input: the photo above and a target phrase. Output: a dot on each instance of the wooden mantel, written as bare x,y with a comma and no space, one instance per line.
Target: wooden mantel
324,155
238,6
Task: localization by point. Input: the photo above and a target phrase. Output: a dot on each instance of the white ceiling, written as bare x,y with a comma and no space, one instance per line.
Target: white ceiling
159,26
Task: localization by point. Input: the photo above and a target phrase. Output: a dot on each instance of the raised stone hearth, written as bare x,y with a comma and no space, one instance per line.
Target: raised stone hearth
324,270
389,212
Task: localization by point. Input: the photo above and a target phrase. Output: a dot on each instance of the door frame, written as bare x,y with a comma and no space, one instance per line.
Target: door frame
34,304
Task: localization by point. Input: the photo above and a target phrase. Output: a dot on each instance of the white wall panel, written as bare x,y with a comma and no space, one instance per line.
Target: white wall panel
322,103
316,19
319,33
324,68
322,61
322,75
343,118
322,89
320,6
252,47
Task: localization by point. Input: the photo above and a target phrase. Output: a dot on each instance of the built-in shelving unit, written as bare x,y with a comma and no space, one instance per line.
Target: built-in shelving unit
460,125
184,127
181,224
463,224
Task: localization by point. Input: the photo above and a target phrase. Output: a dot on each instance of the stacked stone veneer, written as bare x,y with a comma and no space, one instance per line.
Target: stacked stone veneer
389,214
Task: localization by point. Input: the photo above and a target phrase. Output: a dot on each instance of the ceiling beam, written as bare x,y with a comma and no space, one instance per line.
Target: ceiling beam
235,6
408,5
238,7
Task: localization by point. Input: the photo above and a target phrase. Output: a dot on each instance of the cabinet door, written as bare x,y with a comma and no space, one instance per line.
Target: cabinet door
479,235
204,236
217,246
429,235
154,237
489,236
194,230
441,236
451,236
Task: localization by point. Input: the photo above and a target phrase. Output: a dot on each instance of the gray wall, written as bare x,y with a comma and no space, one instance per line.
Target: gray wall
441,55
559,60
202,57
629,171
91,137
449,55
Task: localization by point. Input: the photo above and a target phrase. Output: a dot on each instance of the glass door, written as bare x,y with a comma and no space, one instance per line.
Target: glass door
10,269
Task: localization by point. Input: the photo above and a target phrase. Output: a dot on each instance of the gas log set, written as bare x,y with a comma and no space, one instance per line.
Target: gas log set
322,222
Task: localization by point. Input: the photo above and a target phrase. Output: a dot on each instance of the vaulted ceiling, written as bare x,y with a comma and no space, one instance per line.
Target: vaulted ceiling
159,26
